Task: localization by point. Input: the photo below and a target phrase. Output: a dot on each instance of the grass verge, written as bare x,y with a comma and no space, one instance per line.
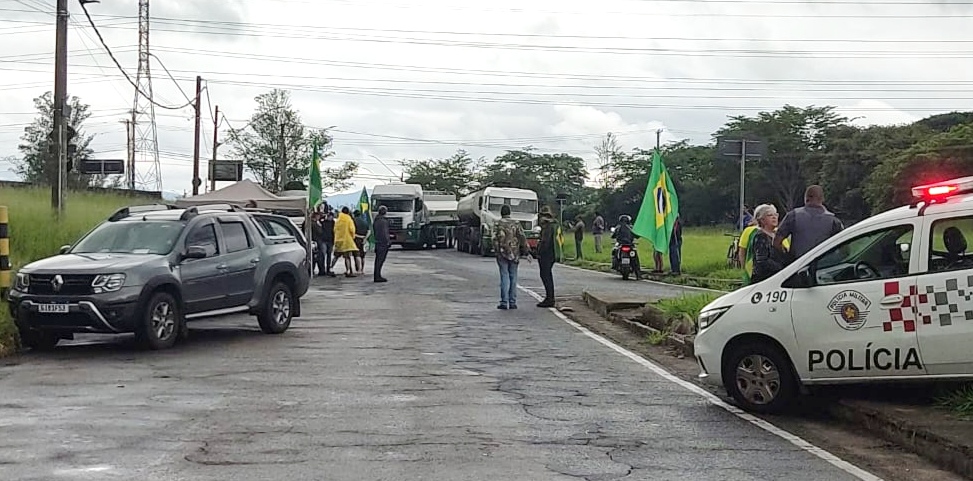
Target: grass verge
959,401
703,258
35,232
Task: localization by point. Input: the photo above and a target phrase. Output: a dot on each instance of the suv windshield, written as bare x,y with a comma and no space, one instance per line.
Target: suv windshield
524,206
140,237
395,205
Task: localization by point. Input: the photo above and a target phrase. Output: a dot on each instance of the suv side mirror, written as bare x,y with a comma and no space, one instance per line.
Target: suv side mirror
194,252
64,249
800,280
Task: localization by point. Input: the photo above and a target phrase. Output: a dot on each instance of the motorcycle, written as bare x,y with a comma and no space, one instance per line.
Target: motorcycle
625,260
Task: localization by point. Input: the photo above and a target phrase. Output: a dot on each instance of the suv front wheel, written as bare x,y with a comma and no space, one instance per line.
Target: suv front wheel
160,323
278,309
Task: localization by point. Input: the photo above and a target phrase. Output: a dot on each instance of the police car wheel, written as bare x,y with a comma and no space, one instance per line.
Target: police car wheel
759,378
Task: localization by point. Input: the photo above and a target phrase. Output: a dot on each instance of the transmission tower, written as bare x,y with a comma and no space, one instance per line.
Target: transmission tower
146,133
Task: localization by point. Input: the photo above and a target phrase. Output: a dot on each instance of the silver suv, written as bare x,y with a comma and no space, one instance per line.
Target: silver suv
149,269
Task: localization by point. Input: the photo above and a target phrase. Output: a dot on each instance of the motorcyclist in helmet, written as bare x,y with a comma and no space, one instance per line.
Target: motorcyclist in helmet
623,235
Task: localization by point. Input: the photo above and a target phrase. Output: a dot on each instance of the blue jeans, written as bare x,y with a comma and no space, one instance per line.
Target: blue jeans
508,281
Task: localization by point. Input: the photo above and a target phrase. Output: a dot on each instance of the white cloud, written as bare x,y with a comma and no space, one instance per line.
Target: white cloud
397,70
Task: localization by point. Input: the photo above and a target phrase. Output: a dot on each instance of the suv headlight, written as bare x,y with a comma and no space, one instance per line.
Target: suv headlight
107,283
23,282
707,318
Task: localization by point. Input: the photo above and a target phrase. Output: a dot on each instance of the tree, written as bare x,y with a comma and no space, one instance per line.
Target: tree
275,146
546,174
796,137
455,175
38,164
609,153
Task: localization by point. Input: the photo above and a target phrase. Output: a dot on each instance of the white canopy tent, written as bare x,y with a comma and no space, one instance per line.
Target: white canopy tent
244,192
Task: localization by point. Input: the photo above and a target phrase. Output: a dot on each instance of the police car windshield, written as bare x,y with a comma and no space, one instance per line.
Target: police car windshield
131,237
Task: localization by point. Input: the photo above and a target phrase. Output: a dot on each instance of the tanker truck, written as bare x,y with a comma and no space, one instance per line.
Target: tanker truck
413,222
480,210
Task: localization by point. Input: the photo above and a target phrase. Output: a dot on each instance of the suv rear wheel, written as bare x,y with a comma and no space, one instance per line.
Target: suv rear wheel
161,322
278,309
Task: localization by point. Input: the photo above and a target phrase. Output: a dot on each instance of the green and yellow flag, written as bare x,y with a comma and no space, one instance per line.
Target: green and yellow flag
660,207
366,212
314,190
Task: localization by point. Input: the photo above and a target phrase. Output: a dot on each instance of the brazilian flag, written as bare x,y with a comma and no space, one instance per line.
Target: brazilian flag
660,207
365,207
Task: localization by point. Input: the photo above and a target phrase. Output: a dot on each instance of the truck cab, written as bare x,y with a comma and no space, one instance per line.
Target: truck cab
480,210
406,211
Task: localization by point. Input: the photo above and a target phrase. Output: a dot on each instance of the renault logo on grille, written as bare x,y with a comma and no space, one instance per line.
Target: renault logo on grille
57,283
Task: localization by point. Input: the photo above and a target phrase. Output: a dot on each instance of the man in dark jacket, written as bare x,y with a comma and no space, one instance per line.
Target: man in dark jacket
327,225
383,241
547,254
361,233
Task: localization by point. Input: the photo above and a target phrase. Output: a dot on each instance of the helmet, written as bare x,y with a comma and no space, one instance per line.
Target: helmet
625,219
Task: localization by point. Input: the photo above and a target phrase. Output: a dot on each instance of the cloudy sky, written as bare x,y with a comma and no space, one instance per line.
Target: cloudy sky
407,79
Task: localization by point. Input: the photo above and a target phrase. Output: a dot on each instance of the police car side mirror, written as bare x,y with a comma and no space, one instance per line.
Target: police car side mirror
800,280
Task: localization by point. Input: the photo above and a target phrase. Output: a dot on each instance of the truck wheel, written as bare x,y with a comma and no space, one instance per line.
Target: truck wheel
160,323
759,378
39,340
278,309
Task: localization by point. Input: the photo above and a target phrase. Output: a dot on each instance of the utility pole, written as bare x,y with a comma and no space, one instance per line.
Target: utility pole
196,181
216,144
129,158
658,139
743,176
60,102
283,161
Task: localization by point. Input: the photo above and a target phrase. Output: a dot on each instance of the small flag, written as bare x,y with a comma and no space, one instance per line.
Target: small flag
366,213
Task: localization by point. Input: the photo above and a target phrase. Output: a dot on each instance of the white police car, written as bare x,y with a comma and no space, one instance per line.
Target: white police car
888,299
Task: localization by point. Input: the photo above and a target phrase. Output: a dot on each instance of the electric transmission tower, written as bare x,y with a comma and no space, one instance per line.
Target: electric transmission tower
146,133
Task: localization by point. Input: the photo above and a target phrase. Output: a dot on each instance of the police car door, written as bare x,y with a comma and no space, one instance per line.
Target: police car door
945,301
856,319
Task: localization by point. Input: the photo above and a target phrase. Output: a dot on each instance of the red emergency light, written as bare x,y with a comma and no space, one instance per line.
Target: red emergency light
941,191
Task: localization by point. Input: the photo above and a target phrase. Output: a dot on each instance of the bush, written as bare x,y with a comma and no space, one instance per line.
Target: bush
687,306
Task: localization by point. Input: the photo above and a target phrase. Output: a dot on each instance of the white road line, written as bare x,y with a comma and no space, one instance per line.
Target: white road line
712,398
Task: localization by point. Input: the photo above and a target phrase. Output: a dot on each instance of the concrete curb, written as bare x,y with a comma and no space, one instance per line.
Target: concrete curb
941,451
945,453
652,323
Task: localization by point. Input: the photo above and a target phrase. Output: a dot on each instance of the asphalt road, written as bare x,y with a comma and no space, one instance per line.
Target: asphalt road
420,378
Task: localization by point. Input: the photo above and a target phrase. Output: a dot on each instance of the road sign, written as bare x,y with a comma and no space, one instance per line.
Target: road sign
102,166
226,171
732,146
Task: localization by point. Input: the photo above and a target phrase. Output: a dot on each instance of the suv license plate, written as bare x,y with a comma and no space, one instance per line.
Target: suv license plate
53,308
626,261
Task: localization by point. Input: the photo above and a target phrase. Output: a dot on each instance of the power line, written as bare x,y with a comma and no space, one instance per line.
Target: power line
117,64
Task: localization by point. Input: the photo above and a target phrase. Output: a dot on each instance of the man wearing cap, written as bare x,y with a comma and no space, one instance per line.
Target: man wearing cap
547,254
383,241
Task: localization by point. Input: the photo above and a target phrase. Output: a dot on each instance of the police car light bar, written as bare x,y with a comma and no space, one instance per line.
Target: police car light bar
943,190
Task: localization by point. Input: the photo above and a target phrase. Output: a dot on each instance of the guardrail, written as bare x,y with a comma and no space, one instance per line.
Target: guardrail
4,252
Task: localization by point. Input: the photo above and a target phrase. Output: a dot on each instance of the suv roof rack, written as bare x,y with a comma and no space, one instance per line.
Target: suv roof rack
220,207
135,209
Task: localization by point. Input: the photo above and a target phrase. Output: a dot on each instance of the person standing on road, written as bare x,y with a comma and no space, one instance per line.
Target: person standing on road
598,230
317,237
547,254
383,242
807,226
578,237
361,233
327,225
675,248
344,240
511,245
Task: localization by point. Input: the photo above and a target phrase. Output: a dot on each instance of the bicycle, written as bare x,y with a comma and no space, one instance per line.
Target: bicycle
732,259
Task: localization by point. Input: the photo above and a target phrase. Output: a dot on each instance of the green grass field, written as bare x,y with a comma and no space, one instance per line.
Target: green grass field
36,233
703,256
